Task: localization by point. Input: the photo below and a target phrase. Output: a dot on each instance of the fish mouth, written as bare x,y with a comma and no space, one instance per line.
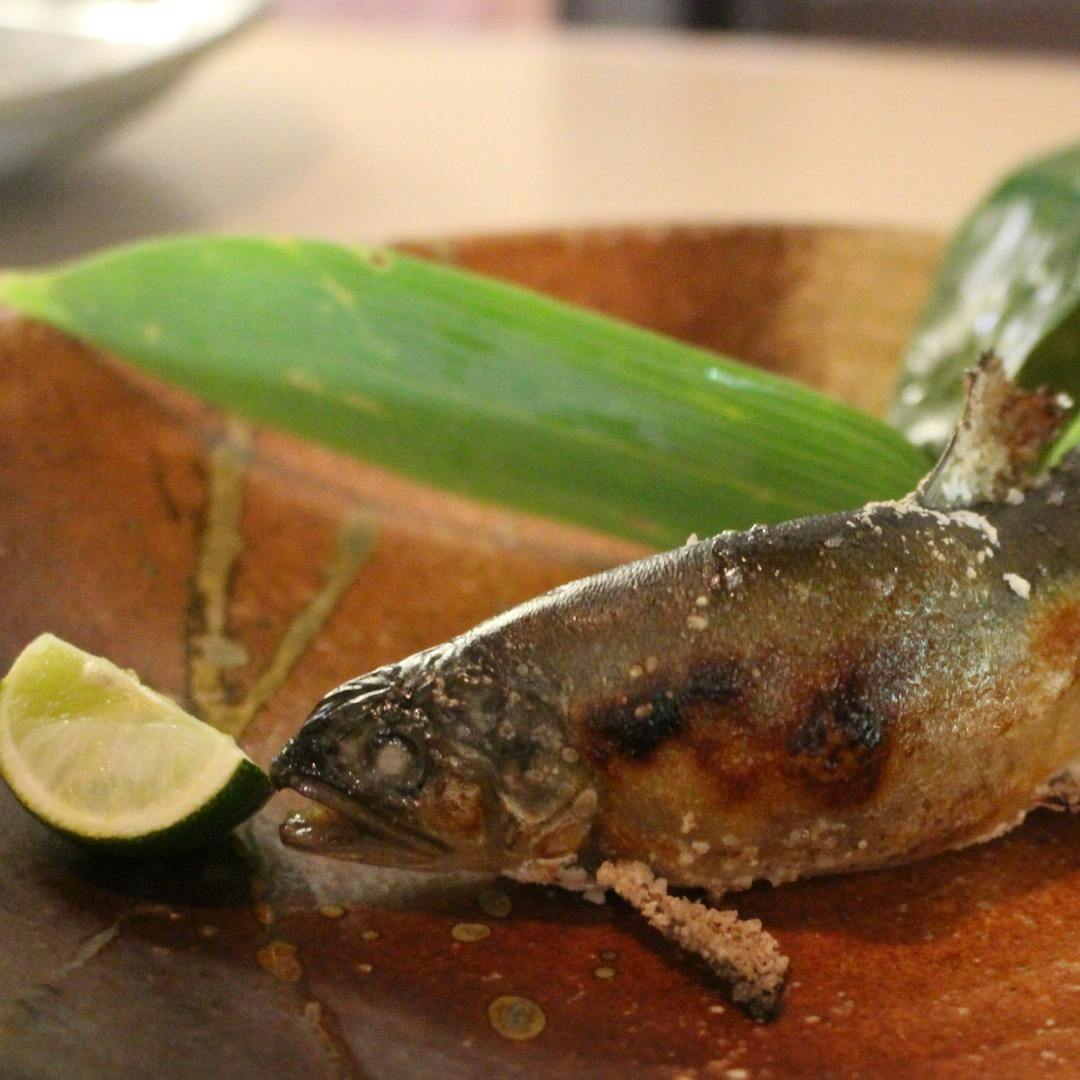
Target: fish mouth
342,828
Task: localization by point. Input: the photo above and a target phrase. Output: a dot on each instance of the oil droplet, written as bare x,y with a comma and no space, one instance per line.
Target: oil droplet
332,911
364,969
370,935
609,955
279,958
208,930
471,931
516,1017
495,902
605,973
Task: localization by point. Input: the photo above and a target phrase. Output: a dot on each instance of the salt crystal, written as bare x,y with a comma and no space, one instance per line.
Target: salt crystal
1020,586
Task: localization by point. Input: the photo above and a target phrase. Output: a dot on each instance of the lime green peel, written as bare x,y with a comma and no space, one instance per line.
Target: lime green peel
473,385
112,765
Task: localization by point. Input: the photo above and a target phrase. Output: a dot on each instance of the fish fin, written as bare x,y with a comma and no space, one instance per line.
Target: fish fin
997,443
738,950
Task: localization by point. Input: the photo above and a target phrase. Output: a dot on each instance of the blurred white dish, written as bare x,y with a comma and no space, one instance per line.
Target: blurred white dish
71,69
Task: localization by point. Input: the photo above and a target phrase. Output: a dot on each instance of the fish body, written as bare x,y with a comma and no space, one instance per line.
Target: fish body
833,694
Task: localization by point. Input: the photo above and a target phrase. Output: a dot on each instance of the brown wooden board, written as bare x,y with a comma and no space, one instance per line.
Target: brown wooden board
255,961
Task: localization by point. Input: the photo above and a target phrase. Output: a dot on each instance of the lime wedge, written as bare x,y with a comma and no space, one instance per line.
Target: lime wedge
111,764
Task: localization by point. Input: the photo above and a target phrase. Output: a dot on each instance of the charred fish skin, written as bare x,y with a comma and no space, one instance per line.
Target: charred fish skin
832,694
843,698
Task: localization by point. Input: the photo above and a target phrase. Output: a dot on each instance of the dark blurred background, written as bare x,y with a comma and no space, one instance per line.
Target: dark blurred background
1052,25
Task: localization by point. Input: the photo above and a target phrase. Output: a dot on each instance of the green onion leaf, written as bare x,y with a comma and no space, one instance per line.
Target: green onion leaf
1009,283
473,385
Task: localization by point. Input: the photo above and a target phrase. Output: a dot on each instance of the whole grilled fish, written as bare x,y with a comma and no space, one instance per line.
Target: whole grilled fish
832,694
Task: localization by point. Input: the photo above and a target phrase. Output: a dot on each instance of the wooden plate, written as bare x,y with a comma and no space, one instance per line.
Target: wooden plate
247,573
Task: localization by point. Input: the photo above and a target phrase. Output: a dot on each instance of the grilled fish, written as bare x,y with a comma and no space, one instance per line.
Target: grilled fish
833,694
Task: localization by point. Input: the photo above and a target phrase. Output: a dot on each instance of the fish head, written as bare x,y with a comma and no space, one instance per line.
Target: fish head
434,766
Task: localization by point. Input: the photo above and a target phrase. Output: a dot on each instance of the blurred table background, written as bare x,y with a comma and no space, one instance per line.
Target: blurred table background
319,123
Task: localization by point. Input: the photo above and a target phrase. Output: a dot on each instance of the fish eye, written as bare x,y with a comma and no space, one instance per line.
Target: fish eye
396,761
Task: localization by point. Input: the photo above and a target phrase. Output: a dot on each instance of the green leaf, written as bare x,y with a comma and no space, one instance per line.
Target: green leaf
1010,283
473,385
1069,438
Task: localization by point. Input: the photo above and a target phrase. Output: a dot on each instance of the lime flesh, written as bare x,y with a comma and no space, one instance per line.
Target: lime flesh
109,763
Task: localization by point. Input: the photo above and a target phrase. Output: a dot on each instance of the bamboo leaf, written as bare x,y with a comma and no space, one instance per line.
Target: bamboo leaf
474,385
1070,438
1010,283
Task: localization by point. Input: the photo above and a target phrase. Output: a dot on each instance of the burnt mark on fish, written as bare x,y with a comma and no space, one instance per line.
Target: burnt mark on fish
639,722
824,732
840,747
634,728
715,681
